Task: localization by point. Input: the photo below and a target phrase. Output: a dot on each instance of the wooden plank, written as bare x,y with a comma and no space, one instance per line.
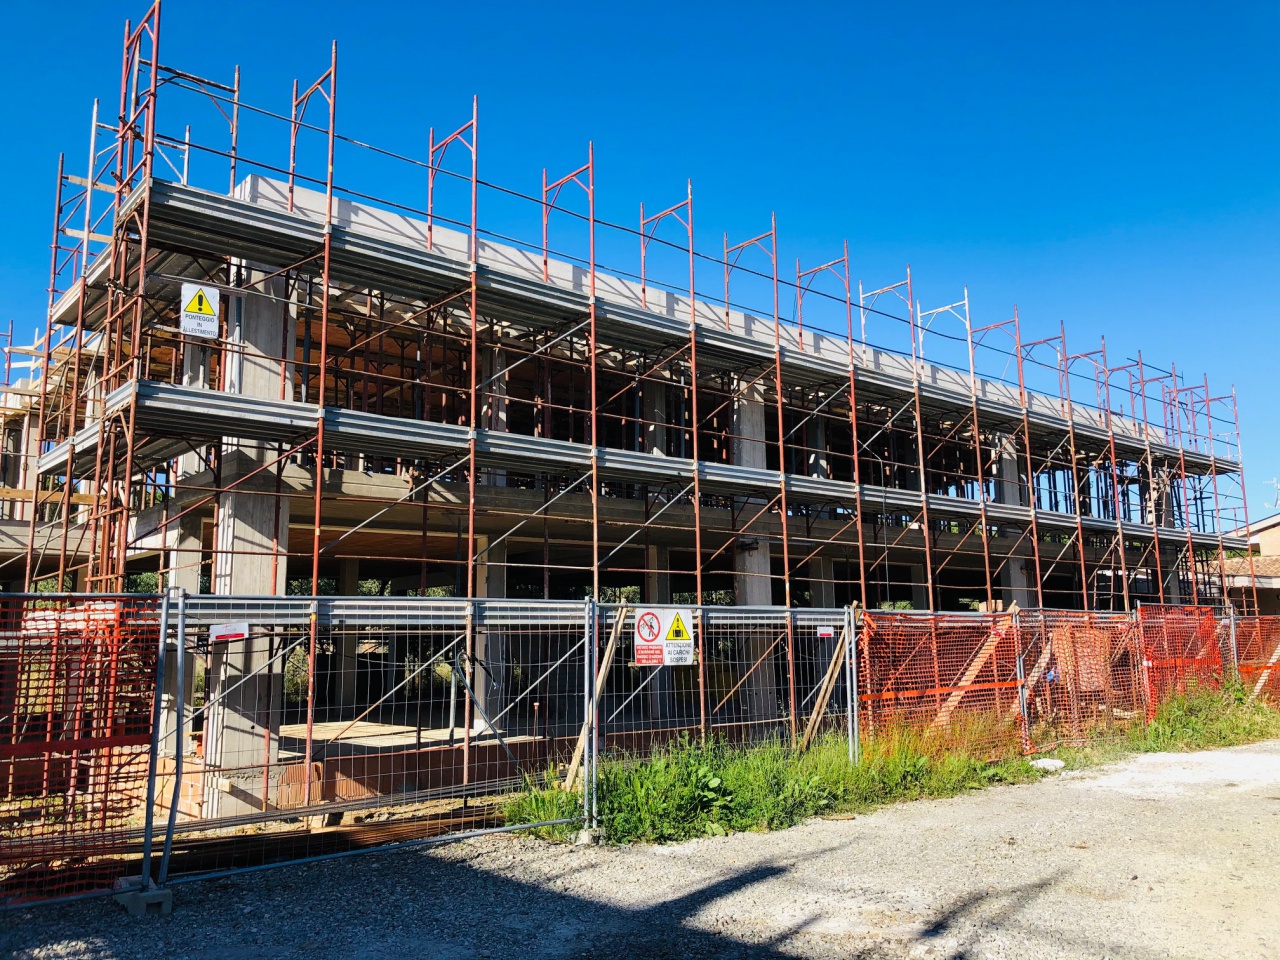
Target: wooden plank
979,661
1265,675
824,693
602,675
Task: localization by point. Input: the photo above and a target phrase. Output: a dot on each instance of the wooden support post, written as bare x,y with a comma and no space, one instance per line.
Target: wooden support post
602,675
825,691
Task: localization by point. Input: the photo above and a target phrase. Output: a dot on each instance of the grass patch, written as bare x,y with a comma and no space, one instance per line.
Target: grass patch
1199,719
543,801
1204,719
689,789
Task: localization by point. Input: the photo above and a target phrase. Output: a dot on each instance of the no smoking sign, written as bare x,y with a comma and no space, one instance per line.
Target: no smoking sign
664,637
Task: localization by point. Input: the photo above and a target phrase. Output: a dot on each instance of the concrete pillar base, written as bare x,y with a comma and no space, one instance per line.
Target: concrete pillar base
141,902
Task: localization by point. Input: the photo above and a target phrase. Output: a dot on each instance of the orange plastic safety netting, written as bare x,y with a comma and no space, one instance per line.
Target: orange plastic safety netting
77,686
1180,649
1257,649
1083,675
951,678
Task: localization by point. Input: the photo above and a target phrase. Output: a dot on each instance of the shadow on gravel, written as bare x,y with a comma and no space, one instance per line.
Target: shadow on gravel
958,928
398,906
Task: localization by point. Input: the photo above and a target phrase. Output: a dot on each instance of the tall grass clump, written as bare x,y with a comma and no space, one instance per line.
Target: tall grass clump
543,801
1201,719
689,788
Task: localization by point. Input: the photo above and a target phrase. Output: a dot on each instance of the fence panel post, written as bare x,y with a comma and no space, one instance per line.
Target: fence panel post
851,685
179,749
1144,654
1235,650
1020,662
588,705
153,756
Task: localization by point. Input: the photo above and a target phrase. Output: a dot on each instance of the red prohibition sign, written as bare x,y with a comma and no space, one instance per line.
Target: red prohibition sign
648,627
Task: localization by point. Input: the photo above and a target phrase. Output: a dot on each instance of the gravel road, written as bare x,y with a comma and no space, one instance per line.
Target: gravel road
1164,855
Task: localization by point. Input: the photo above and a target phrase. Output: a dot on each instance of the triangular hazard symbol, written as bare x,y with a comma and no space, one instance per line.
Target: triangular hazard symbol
677,630
199,304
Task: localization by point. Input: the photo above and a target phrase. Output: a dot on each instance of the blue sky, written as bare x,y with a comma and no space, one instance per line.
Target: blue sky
1110,166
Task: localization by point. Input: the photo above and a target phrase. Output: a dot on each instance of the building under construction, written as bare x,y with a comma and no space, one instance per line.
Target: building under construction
264,391
396,393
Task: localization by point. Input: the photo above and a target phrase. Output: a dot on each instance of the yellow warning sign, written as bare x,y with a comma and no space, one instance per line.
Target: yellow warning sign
200,304
677,630
200,311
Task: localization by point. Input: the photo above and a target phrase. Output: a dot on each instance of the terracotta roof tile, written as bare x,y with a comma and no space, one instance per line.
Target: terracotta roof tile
1262,566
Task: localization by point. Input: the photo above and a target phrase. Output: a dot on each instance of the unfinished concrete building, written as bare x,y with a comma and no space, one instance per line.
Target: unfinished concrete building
266,383
397,393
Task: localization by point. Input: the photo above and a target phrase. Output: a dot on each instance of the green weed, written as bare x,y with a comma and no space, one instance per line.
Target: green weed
543,801
688,788
1203,719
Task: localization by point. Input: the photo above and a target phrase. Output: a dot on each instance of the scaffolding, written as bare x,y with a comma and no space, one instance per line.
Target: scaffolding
405,394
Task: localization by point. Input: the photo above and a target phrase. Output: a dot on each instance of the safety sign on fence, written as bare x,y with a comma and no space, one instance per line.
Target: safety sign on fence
200,310
229,632
664,637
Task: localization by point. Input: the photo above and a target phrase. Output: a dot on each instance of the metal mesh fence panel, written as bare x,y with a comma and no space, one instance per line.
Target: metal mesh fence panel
750,672
822,682
1257,651
383,721
952,678
759,673
77,688
642,705
1180,649
1083,675
283,729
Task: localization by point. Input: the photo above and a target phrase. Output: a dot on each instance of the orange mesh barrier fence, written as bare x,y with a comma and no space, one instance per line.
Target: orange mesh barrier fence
1083,675
1180,649
77,682
1257,647
953,676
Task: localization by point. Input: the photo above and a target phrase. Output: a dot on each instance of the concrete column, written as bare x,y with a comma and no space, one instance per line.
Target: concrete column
655,397
259,328
1015,576
1008,477
1173,592
30,447
753,587
251,544
243,729
494,412
11,463
657,580
186,543
491,645
1163,515
822,583
822,594
348,653
184,571
252,538
816,440
752,581
748,426
919,588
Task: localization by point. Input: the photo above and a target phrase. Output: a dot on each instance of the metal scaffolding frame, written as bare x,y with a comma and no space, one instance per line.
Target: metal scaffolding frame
486,400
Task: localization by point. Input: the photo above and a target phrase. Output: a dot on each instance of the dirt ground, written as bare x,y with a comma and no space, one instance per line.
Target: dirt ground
1164,855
